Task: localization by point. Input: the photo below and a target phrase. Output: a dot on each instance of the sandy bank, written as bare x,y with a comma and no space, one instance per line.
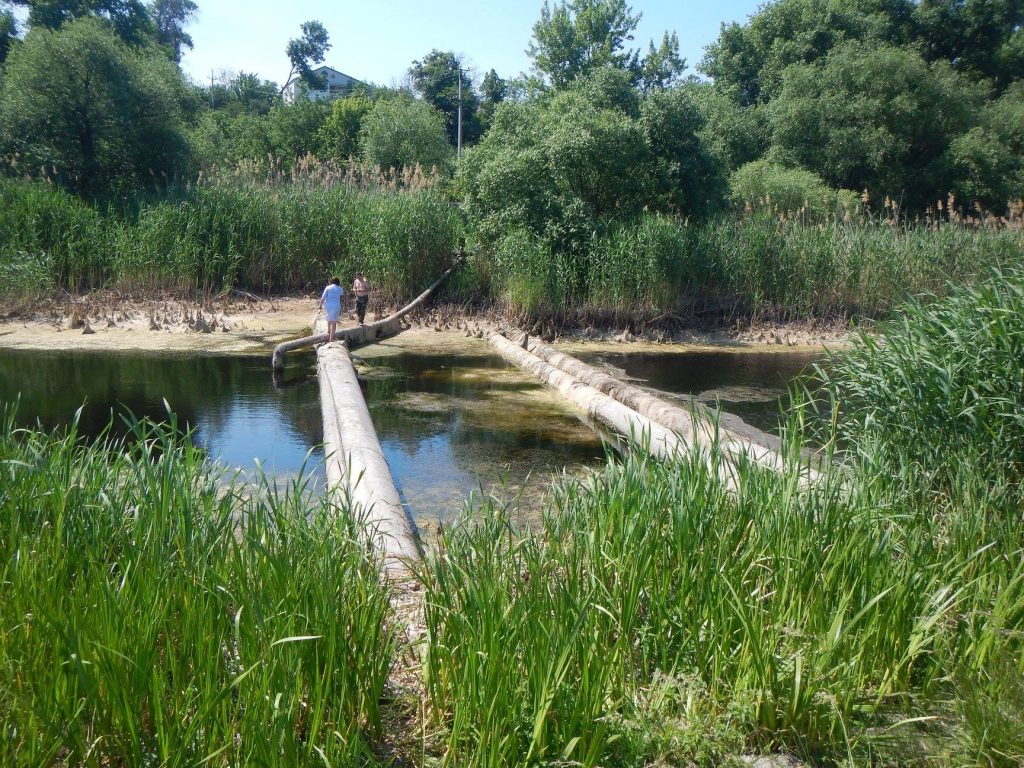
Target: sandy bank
108,323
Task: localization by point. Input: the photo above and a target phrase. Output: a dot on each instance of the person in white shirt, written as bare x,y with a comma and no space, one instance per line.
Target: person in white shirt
330,303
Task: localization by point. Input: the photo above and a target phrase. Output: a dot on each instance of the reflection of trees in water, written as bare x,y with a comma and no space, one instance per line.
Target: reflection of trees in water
199,390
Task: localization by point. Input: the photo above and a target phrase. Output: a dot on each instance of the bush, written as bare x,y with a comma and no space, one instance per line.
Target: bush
403,133
763,184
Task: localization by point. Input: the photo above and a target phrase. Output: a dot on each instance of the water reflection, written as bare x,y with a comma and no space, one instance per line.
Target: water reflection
748,384
228,402
452,425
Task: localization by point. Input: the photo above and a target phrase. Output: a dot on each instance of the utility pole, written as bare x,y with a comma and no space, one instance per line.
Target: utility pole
458,151
211,89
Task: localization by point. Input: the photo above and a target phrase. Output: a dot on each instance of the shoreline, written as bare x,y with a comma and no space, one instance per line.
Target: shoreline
102,322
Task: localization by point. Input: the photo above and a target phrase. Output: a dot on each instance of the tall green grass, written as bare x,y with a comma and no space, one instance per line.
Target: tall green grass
222,234
758,265
151,617
944,382
655,616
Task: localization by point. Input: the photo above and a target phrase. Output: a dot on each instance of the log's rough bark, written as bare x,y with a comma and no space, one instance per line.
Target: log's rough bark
697,425
356,467
363,334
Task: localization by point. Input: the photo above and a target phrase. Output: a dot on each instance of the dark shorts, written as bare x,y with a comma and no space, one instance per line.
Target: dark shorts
361,302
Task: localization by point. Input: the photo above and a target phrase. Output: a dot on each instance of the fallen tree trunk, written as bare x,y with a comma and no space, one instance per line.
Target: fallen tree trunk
355,463
362,334
696,425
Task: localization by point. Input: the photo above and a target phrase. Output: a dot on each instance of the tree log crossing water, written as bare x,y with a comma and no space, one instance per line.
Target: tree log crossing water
662,429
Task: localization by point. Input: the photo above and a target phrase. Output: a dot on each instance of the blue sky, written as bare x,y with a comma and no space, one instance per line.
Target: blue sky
377,40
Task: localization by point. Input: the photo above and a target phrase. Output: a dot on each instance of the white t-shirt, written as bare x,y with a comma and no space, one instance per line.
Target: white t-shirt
332,298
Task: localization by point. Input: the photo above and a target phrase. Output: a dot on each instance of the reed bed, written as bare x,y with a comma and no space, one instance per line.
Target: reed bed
152,617
221,234
760,266
655,618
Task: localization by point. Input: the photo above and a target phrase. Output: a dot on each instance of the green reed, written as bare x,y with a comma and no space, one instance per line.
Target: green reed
654,615
222,234
759,265
153,617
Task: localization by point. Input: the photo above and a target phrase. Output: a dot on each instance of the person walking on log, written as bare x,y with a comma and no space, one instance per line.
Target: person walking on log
330,303
361,288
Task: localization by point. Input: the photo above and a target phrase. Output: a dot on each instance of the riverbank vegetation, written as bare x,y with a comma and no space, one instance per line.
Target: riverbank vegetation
843,156
651,617
152,616
656,618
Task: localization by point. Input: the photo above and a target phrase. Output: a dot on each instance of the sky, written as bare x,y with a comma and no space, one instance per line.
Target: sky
376,40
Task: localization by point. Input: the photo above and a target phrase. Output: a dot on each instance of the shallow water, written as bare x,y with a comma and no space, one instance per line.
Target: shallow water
450,426
747,384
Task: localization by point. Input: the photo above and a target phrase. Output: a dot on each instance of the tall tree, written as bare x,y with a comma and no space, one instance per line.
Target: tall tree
983,38
169,19
8,33
338,137
493,91
879,119
403,132
749,59
128,18
305,51
578,36
663,66
99,112
436,78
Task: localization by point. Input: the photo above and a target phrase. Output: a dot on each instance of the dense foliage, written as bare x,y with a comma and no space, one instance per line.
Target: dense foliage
599,179
228,232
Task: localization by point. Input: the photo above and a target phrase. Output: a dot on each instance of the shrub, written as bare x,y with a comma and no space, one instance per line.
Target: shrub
764,184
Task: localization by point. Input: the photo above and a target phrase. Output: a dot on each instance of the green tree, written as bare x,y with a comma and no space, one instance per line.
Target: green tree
436,78
578,36
555,168
338,137
749,60
305,51
247,93
663,66
169,20
735,134
493,91
989,158
80,101
982,38
128,18
223,138
403,132
8,33
294,128
689,178
879,119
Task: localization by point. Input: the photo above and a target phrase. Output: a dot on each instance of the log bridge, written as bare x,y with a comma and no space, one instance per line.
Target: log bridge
357,470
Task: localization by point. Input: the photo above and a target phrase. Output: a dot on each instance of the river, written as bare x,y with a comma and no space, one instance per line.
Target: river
452,426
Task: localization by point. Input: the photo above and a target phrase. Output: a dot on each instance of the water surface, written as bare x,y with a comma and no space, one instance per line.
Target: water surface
450,425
